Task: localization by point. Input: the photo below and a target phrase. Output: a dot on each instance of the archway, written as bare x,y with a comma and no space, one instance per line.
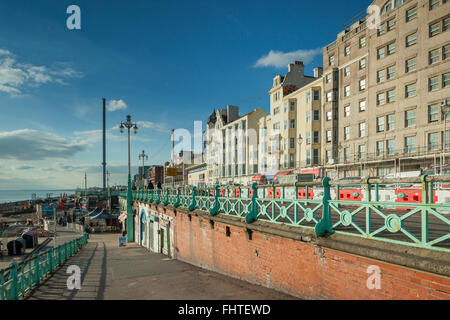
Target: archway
143,227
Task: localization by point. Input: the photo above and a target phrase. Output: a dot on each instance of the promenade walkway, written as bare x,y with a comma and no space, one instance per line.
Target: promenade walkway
130,273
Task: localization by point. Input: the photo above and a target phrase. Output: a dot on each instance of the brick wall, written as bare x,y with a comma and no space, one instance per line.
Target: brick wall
297,268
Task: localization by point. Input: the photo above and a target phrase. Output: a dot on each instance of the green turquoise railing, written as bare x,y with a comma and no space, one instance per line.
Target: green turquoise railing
18,279
407,211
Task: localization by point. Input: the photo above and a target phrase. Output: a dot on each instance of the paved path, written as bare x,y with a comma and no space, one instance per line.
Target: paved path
132,272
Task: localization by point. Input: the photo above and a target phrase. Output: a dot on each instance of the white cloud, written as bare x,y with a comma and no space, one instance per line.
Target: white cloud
279,59
15,76
157,126
114,105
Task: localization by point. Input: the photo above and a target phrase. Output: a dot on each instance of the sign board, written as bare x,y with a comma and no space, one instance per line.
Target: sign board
172,172
122,241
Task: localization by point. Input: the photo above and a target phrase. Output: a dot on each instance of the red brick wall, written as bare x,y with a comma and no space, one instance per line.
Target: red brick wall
294,267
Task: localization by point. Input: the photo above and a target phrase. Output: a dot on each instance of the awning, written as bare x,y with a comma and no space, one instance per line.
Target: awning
282,173
260,177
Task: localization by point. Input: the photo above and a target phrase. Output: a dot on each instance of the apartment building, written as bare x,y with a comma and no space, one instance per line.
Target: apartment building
292,97
232,145
384,89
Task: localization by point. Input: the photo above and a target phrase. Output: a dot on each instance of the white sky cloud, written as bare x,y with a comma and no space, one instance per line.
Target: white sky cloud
279,59
16,76
114,105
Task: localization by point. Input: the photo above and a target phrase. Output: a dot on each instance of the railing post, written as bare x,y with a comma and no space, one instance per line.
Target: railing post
424,215
324,225
178,202
252,216
297,198
166,200
13,291
194,201
36,269
216,207
368,209
158,197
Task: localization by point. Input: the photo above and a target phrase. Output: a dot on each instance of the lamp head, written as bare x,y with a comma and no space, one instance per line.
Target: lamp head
121,127
135,128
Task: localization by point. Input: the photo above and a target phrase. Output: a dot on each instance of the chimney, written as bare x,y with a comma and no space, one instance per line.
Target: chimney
318,72
297,67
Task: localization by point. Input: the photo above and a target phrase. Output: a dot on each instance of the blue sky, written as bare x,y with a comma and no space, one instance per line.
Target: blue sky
167,63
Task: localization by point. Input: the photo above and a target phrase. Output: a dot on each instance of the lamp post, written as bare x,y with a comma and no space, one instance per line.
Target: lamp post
130,223
445,108
144,157
300,141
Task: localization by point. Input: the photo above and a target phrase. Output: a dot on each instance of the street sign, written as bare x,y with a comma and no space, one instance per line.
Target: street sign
172,172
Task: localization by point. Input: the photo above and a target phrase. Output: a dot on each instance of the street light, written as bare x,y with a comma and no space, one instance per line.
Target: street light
445,108
300,141
144,157
130,226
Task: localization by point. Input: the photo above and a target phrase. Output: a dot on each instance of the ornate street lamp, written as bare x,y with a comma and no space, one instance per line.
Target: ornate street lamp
445,108
130,223
300,141
144,157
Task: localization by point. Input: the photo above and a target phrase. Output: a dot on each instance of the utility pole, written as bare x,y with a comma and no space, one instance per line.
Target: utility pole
144,157
104,144
173,155
109,191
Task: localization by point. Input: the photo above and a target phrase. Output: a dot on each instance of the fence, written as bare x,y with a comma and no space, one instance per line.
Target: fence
18,279
407,211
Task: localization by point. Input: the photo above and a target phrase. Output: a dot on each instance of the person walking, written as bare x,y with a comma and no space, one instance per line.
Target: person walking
151,186
159,185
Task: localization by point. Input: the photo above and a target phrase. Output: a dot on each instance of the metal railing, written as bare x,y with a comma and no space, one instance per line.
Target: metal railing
20,278
408,211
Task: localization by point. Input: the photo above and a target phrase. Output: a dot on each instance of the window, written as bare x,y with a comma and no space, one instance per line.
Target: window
446,139
308,97
380,124
346,133
445,52
308,157
347,91
433,141
380,99
316,137
391,48
346,154
433,56
329,136
308,116
433,84
380,76
380,148
292,106
347,51
276,126
276,110
410,144
329,116
435,29
433,113
286,144
316,95
315,156
446,24
286,107
329,96
292,126
292,143
328,78
362,84
390,122
410,118
434,4
329,155
362,106
331,60
381,53
381,30
362,42
410,65
411,14
316,115
390,96
362,129
308,137
410,90
346,71
362,64
445,80
391,25
390,147
411,40
391,72
285,124
347,111
362,151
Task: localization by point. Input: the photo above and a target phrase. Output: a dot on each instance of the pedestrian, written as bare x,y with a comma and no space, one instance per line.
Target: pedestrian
151,186
159,185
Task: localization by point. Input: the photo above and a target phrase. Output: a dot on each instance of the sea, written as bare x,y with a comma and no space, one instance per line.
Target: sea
22,195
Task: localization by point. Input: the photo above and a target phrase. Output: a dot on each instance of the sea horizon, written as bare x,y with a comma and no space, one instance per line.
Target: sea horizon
7,195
